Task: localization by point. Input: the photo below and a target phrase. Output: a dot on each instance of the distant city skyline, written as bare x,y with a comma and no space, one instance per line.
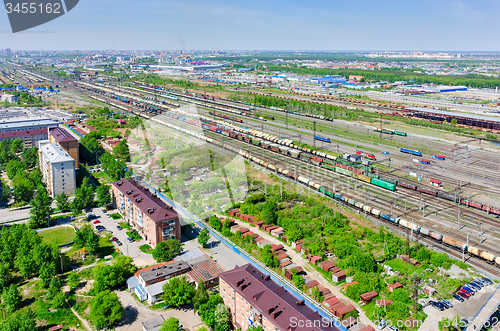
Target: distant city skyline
385,25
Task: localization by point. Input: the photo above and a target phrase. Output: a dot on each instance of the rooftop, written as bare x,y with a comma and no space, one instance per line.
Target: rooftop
162,269
55,154
21,124
204,268
153,324
272,300
145,200
61,135
24,133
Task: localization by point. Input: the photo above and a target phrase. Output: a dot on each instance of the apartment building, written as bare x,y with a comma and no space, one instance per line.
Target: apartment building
30,138
64,139
146,212
58,169
255,299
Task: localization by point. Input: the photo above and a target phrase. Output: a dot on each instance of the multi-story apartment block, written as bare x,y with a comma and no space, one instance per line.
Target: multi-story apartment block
66,141
29,137
146,212
58,169
254,299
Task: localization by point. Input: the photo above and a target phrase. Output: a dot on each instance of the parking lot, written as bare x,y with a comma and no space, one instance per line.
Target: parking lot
466,309
130,249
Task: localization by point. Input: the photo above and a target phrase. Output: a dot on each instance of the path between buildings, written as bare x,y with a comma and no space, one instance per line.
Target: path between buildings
313,273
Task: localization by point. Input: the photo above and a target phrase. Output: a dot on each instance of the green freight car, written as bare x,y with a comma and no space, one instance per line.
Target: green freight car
383,184
329,167
327,160
256,142
387,131
399,133
343,171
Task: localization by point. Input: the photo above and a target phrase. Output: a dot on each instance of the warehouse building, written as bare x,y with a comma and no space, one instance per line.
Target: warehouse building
337,79
482,122
146,212
58,169
26,123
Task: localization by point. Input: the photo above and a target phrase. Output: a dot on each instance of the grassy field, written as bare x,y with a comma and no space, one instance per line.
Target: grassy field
58,236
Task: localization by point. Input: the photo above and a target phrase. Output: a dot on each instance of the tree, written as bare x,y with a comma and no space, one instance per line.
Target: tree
86,237
121,151
40,208
167,250
268,257
316,294
13,167
5,276
86,192
115,169
215,223
47,271
171,324
178,292
21,321
269,212
11,298
15,146
105,310
54,287
78,203
62,202
203,237
103,195
222,317
36,176
6,193
59,300
73,280
23,189
201,296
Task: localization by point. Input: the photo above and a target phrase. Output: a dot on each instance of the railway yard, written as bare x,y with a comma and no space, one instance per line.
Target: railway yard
459,218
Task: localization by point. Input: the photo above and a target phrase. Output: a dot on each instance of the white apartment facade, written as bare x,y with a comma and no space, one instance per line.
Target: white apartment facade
58,169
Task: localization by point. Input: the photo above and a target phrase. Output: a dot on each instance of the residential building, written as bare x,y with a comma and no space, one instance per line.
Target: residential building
147,283
146,212
30,138
58,169
255,300
66,140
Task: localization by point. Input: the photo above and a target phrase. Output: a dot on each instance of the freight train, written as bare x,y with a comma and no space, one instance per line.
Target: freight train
327,191
384,182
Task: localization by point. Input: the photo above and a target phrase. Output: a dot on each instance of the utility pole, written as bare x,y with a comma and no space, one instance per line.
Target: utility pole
463,249
409,154
467,156
314,139
333,121
62,271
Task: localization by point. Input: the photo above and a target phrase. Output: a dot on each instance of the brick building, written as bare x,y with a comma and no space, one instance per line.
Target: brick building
64,139
254,299
146,212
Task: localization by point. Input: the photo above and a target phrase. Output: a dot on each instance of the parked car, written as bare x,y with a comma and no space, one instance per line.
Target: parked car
469,290
392,328
458,297
118,227
462,295
96,222
115,239
436,305
382,325
478,284
130,239
446,302
465,293
166,306
487,280
119,243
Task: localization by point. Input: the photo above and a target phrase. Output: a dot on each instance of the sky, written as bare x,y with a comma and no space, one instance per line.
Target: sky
337,25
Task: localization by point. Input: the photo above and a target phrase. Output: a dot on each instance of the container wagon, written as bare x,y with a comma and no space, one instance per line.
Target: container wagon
327,140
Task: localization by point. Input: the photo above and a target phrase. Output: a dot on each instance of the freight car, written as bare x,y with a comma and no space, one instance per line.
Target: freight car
410,151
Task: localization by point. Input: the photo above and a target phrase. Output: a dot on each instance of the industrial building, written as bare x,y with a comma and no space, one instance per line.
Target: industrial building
58,169
64,139
483,122
431,89
337,79
146,212
9,98
24,123
255,300
30,138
